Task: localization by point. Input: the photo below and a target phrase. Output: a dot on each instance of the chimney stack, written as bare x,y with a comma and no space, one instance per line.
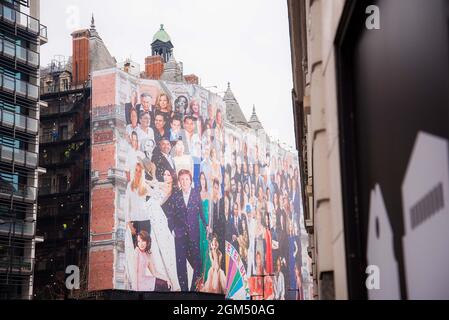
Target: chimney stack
80,56
154,67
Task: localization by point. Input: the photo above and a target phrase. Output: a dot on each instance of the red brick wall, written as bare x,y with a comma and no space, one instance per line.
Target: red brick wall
154,67
101,273
103,90
102,215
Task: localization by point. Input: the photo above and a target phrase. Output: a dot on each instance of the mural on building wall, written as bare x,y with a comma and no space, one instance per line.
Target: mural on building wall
182,200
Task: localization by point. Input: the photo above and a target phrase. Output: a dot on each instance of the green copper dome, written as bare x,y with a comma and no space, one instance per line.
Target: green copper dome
161,35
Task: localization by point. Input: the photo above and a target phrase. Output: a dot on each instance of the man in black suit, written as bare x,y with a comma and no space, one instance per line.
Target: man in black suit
146,106
234,227
184,209
129,106
163,160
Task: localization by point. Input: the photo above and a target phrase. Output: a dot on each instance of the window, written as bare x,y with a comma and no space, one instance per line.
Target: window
64,132
65,84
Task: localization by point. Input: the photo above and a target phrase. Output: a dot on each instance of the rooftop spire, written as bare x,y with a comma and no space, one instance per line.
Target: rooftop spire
254,120
92,23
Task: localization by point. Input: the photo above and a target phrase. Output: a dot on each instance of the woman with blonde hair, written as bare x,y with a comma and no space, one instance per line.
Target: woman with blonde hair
136,219
164,107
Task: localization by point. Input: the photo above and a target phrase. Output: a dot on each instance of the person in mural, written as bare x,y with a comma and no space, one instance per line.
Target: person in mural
210,121
182,160
274,237
206,163
245,172
176,132
163,160
296,202
219,130
270,205
260,231
234,227
133,154
218,213
298,286
193,143
243,240
261,284
215,167
208,136
183,213
148,277
145,132
216,278
204,231
252,227
136,219
293,251
268,245
281,219
162,239
160,130
131,105
133,125
146,106
164,107
195,113
181,105
279,281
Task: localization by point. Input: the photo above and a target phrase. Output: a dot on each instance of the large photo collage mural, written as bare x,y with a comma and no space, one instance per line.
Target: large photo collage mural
201,204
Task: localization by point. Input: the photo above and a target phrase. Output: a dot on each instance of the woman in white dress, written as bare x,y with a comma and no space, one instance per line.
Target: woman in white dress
163,241
135,211
182,161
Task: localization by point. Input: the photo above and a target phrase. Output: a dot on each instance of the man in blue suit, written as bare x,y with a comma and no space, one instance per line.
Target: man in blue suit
184,210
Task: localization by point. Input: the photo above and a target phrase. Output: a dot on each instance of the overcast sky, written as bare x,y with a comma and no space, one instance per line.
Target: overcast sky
245,42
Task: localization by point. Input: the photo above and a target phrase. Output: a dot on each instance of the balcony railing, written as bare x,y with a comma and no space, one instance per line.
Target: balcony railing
54,137
43,32
22,21
19,121
46,190
18,228
15,263
55,109
19,156
23,55
55,88
22,191
19,87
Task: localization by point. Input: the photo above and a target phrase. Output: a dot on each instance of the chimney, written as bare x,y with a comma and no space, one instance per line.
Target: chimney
80,56
154,67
